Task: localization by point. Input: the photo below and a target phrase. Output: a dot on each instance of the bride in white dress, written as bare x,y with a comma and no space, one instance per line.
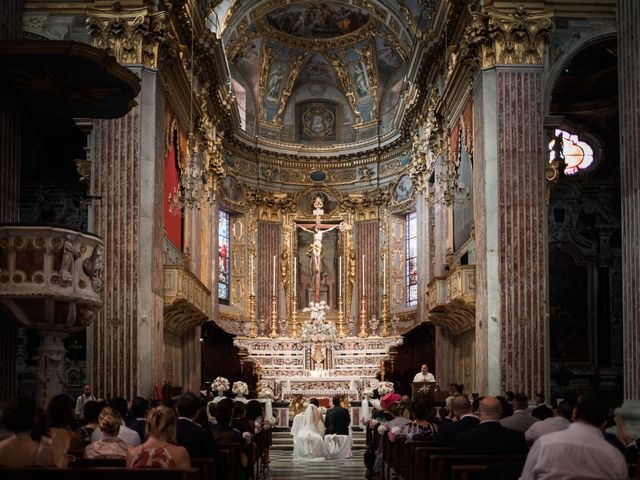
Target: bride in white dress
308,440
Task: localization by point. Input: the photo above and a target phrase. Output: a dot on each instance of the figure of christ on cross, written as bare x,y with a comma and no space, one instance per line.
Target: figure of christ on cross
318,229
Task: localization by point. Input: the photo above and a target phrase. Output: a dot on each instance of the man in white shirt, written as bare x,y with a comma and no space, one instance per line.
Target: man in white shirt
580,451
423,375
560,421
84,397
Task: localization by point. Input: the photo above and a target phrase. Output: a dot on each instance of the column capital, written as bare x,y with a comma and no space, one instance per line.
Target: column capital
132,35
506,37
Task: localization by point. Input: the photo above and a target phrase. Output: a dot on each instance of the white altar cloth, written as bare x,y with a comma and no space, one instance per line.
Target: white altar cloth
312,386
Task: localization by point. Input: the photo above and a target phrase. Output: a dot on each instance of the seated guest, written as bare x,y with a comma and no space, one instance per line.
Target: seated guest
580,451
254,411
240,422
521,419
60,415
384,414
109,446
405,406
425,424
139,409
126,434
196,439
90,414
560,421
507,407
159,449
541,411
223,434
489,437
20,450
464,420
337,419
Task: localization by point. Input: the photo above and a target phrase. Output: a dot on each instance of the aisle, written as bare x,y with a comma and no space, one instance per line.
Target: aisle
284,468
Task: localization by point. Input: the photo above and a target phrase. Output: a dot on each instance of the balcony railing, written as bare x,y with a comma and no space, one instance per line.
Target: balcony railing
187,301
451,300
50,278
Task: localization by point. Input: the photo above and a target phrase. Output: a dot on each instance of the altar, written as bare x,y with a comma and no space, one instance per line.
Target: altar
287,367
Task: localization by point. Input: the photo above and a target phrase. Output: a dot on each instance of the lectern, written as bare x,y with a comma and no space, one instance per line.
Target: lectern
419,389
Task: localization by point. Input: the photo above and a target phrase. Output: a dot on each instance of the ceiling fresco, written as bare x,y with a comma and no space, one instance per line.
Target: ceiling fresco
349,57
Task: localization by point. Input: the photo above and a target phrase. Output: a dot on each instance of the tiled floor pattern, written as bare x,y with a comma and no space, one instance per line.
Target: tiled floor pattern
283,467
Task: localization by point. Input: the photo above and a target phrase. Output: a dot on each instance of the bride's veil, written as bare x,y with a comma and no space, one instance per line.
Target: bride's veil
312,421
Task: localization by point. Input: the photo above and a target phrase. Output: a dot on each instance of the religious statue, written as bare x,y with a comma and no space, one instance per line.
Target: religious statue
315,249
374,324
92,268
66,266
284,269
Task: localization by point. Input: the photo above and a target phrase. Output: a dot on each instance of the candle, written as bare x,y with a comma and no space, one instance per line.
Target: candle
295,276
363,275
339,277
273,290
251,276
384,273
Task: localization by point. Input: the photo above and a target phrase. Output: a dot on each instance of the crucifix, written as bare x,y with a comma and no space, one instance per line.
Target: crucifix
318,229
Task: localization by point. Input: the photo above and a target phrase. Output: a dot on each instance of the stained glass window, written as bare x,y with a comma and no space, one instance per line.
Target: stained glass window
578,155
224,252
411,256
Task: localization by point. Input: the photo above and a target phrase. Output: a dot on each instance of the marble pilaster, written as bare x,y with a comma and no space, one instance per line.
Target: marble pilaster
509,185
629,102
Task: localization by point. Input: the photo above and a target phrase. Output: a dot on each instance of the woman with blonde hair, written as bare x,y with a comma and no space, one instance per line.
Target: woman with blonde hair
159,450
109,446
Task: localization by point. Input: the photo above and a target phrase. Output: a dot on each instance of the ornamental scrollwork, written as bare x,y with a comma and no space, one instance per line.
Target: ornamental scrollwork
511,38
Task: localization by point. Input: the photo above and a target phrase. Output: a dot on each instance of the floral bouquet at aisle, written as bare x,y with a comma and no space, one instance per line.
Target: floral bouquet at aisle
220,385
240,389
266,392
384,388
368,393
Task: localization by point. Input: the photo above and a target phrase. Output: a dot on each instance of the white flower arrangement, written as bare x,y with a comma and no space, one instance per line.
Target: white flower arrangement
382,429
323,410
368,392
385,387
247,437
240,389
269,422
266,392
220,384
373,422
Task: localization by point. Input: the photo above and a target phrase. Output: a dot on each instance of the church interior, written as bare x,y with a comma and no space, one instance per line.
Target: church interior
317,198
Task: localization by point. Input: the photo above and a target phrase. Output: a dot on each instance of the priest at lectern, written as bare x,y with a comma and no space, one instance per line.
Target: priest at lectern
424,375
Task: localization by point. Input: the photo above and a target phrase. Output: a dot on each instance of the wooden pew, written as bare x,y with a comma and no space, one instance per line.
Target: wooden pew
97,462
409,453
467,472
98,473
229,456
206,468
440,468
423,460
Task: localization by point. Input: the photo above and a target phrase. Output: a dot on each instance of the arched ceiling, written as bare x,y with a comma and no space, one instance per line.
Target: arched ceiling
317,73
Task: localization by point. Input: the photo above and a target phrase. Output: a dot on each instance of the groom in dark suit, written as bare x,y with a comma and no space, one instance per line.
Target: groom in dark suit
337,419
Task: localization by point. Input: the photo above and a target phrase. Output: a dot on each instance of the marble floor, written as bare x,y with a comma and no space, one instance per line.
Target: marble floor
284,468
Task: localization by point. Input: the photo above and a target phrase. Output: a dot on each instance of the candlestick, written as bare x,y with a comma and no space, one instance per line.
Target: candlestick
295,274
363,317
385,314
273,290
252,315
274,316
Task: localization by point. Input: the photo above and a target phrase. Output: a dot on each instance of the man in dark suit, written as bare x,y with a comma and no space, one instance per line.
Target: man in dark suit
196,439
139,409
541,411
489,437
465,420
337,419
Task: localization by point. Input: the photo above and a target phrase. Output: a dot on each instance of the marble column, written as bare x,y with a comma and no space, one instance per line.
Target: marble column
127,348
509,203
10,138
10,128
50,376
629,102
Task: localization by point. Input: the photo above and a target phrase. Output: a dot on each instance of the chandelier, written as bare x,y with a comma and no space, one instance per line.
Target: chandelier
192,180
446,188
